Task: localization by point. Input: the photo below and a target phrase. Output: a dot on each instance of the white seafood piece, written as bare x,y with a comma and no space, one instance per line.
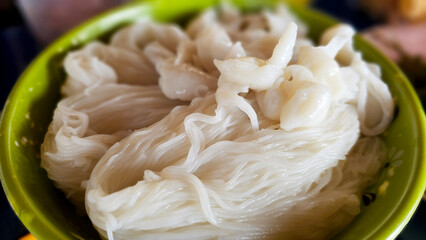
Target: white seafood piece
218,42
284,13
241,74
337,49
306,102
204,21
228,14
253,28
186,53
262,48
98,64
247,28
249,71
190,72
157,53
256,73
85,71
137,36
271,101
339,40
276,24
236,51
130,68
324,68
181,81
184,82
300,42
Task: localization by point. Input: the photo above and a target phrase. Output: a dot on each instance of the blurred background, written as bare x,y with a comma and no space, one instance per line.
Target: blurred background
397,27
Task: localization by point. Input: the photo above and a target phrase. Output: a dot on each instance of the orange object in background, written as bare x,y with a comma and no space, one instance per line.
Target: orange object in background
404,33
29,236
396,10
414,10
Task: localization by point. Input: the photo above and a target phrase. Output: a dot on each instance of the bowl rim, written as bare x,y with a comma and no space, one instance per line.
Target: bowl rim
20,199
414,196
411,200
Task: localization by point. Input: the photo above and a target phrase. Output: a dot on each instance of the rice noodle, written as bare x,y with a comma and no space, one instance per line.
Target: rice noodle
279,139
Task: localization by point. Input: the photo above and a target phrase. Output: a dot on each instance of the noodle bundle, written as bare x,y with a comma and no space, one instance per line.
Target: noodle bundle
85,125
237,128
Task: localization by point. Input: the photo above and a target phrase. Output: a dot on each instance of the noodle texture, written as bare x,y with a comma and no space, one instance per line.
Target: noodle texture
236,127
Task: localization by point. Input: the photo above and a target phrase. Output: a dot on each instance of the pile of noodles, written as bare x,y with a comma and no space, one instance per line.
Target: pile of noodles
236,128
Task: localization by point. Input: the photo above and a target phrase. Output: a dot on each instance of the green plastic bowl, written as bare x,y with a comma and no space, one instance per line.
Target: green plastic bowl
47,213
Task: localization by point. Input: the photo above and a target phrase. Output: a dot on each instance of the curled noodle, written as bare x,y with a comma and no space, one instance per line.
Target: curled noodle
238,127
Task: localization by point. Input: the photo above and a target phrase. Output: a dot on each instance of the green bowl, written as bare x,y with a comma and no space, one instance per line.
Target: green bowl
47,213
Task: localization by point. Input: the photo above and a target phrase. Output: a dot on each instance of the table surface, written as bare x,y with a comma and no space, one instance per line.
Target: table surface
18,48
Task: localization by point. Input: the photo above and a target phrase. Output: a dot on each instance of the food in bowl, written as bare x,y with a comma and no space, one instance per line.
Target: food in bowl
236,128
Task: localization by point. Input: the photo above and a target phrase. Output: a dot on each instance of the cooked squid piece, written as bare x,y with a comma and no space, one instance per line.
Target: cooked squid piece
179,79
190,72
137,36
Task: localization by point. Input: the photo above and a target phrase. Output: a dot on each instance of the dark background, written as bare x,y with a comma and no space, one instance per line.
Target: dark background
18,48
